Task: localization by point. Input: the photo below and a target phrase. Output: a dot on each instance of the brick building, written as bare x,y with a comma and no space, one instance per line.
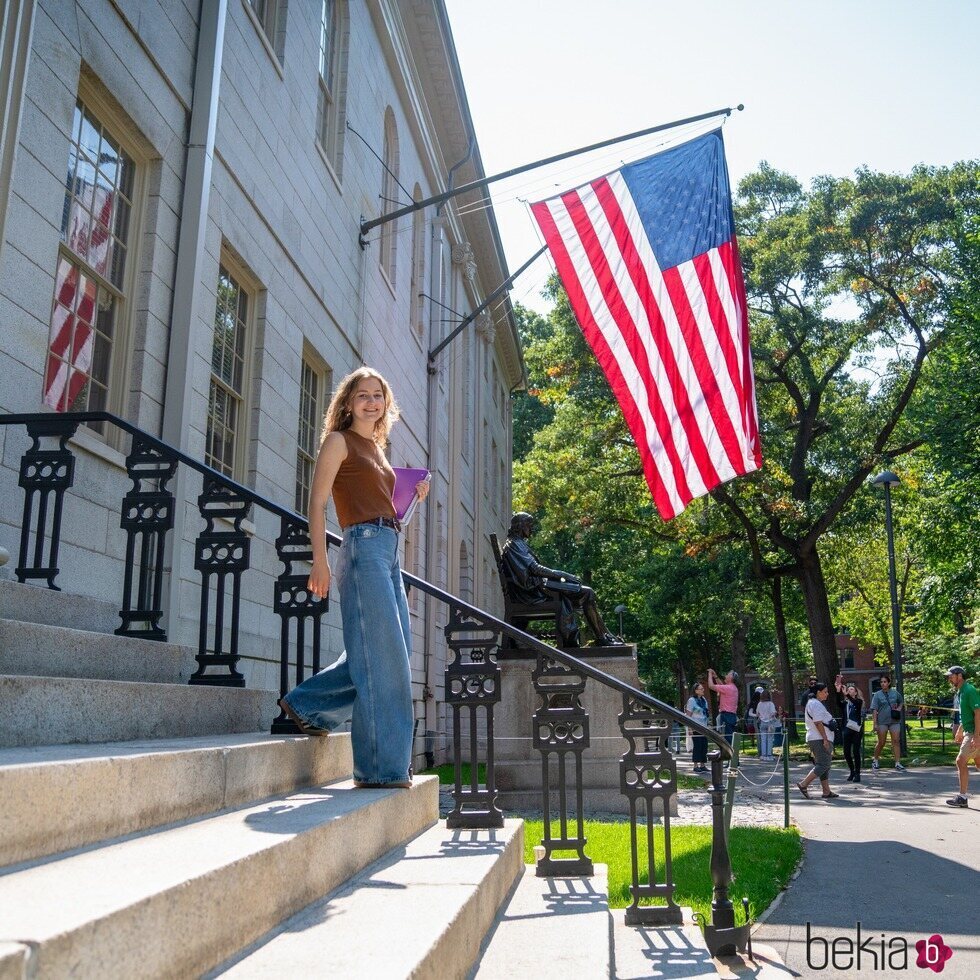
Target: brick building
181,186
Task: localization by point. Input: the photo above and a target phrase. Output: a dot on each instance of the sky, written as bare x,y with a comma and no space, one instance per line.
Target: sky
828,86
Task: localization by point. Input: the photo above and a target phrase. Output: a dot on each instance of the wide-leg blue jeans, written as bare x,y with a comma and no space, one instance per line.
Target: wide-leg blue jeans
370,685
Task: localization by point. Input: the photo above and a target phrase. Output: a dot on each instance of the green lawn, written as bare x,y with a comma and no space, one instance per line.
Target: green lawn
447,773
763,858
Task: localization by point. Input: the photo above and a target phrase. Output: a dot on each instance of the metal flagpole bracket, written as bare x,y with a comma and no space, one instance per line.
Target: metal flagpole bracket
470,317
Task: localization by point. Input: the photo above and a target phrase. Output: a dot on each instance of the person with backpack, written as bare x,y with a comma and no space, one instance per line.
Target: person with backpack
886,709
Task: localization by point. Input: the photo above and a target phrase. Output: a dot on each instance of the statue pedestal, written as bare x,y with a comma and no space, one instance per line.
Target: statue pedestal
518,767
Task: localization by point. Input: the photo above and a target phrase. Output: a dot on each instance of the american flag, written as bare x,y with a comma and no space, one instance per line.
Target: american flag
650,263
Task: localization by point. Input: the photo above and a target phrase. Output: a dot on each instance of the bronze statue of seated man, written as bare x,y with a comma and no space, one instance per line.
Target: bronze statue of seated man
528,581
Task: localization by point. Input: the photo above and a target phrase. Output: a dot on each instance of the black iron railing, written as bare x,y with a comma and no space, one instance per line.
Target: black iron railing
648,770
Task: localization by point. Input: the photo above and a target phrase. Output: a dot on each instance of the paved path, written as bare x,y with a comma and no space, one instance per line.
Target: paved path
890,855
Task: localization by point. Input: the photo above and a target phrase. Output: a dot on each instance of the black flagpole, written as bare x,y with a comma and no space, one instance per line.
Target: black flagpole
470,317
367,226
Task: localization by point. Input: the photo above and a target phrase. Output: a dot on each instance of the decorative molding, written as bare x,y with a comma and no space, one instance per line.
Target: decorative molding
462,255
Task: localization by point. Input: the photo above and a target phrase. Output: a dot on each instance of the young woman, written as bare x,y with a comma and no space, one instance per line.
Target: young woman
697,709
820,740
851,728
370,684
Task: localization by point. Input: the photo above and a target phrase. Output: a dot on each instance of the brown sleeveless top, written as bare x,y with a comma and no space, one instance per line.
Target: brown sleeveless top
364,483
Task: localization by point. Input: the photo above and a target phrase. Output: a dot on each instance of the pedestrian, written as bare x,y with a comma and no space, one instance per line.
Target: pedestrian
922,714
727,692
852,728
967,733
370,685
807,692
751,715
697,710
886,710
766,712
820,726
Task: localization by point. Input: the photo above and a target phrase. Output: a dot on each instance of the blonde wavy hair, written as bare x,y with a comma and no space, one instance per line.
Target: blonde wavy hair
339,417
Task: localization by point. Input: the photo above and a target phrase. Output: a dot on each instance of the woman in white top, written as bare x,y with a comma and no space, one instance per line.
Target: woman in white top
766,712
697,709
820,740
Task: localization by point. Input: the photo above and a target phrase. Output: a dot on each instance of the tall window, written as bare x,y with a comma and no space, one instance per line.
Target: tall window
226,416
418,265
271,15
332,81
314,382
387,253
84,341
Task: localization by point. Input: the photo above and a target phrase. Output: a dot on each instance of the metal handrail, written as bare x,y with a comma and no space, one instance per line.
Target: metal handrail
647,769
487,619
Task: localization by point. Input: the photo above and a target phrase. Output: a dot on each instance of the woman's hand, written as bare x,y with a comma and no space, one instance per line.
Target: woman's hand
826,744
422,489
319,580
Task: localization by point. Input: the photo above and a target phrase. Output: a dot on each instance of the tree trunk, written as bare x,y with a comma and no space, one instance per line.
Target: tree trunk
825,659
739,656
782,655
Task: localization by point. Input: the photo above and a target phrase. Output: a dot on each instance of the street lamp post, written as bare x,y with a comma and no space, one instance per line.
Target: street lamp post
887,480
620,609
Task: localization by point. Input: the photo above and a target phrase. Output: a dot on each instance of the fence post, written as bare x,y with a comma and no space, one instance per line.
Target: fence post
730,791
785,785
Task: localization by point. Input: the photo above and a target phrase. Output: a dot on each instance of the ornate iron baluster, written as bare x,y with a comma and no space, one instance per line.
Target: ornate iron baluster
721,935
472,681
148,515
648,772
220,554
43,472
292,600
561,726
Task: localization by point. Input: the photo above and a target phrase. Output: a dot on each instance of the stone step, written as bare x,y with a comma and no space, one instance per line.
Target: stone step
552,927
39,604
64,710
178,901
420,912
57,651
65,796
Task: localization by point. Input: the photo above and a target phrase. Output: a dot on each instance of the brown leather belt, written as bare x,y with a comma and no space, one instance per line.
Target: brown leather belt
392,522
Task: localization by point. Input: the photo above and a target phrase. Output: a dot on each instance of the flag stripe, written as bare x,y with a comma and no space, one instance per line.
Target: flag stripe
686,440
610,367
711,405
623,324
632,390
697,421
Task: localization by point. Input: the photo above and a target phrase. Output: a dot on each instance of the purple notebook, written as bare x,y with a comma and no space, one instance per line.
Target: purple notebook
405,498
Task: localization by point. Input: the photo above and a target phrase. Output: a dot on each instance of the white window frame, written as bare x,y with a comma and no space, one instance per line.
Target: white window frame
388,232
322,374
270,25
242,432
332,86
91,95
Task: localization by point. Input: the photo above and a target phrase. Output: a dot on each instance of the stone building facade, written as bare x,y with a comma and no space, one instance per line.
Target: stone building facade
181,188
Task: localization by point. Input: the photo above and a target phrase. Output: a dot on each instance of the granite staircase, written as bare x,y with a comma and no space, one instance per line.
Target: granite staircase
153,829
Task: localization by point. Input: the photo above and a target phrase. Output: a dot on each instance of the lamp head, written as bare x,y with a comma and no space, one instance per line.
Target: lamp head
886,479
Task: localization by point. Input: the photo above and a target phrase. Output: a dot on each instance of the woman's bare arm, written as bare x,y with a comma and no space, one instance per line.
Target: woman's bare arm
332,453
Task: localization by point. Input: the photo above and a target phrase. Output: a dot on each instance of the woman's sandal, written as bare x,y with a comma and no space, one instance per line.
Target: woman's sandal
831,796
298,722
805,790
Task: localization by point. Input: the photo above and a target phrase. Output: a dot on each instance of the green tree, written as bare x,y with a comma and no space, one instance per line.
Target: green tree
850,286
